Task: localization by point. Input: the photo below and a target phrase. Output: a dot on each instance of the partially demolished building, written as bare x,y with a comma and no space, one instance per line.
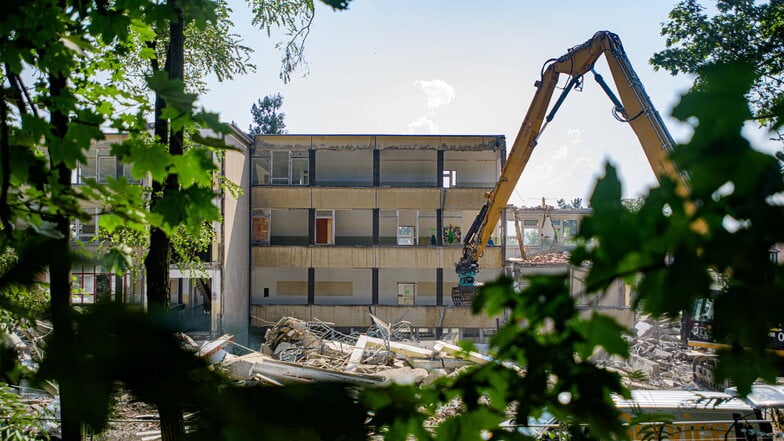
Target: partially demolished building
333,227
346,225
540,241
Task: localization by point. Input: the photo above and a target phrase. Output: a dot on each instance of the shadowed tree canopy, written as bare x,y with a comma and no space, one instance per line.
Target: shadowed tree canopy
700,33
267,117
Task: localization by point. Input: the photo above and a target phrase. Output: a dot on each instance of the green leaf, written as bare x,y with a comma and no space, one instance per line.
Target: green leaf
469,425
194,167
188,207
142,30
118,259
148,158
172,92
211,121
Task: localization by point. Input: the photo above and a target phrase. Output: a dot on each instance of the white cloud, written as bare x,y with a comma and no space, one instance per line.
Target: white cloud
438,93
583,168
421,125
575,140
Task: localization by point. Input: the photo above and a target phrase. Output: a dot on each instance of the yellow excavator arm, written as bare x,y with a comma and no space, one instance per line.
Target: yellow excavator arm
634,107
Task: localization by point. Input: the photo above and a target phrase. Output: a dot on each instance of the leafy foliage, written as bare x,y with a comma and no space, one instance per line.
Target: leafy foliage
739,31
713,243
575,203
542,356
267,120
19,422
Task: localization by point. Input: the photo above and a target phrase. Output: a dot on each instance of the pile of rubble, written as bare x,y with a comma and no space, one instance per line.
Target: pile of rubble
659,354
309,351
381,354
551,257
298,351
295,351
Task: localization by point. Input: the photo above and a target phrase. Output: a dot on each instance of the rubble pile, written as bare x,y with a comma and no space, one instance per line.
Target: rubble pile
548,258
657,352
658,359
298,351
309,351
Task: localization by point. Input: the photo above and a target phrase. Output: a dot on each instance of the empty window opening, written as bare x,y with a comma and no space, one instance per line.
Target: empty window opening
569,229
84,230
449,178
531,237
288,168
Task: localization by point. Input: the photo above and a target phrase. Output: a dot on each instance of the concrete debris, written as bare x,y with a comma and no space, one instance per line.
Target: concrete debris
298,351
659,354
548,258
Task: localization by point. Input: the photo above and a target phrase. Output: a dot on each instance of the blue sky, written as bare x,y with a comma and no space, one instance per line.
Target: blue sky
464,67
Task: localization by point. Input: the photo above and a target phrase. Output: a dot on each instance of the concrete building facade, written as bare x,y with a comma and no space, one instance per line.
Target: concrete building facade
211,298
338,227
345,225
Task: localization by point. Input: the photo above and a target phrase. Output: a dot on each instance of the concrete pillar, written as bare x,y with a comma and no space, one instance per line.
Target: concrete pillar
311,286
440,168
440,286
311,168
376,168
311,226
376,226
374,283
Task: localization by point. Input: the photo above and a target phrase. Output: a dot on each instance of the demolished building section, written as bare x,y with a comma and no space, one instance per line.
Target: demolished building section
341,224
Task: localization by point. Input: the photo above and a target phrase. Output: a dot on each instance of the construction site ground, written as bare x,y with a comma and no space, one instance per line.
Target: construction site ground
293,351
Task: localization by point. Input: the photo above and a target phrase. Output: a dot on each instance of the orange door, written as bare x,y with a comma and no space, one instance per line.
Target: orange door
323,231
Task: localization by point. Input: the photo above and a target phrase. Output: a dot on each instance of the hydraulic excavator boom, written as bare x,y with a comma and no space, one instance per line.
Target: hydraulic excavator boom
632,106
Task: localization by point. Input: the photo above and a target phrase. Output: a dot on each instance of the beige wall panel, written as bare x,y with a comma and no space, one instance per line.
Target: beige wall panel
334,288
343,257
283,142
465,198
449,257
408,257
461,317
282,256
426,289
343,142
281,197
262,315
409,198
357,315
490,259
291,288
342,198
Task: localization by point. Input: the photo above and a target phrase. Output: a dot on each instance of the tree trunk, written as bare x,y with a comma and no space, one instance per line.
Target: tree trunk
157,261
60,284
